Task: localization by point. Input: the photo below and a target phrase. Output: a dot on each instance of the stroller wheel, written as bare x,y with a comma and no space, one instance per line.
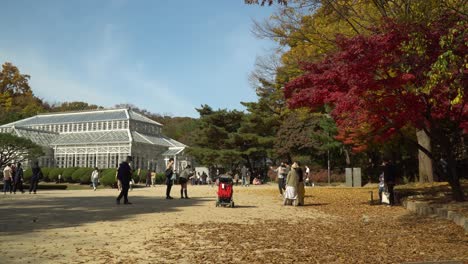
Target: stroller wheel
217,203
232,204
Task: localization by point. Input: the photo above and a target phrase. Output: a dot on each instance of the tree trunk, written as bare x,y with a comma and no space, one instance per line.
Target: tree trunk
426,173
447,144
454,180
348,159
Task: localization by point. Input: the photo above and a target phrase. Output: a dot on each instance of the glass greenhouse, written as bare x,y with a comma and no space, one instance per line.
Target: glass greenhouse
99,138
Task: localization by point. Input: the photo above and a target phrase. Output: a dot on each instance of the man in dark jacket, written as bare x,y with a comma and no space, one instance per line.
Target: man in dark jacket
18,179
390,178
124,174
169,171
36,175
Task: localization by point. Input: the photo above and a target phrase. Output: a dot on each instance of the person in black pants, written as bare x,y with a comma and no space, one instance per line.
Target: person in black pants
390,179
18,179
169,171
36,175
124,174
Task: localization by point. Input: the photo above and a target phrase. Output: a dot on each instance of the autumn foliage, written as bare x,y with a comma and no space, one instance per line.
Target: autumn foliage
401,74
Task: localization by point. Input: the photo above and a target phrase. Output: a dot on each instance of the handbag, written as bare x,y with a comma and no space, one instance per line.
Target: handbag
385,197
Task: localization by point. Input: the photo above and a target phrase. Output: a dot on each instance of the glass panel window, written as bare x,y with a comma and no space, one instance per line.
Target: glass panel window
99,126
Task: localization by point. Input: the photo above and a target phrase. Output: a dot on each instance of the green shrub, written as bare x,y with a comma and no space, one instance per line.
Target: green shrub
82,173
54,173
142,177
160,178
44,186
27,174
135,176
67,174
45,174
108,177
86,177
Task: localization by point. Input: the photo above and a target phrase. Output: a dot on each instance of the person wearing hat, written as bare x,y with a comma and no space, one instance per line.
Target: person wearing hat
292,181
124,175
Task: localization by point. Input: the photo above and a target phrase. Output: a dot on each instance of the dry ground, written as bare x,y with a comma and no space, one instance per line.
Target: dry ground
336,226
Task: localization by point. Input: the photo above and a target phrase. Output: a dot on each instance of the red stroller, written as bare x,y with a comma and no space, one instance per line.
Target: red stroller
225,192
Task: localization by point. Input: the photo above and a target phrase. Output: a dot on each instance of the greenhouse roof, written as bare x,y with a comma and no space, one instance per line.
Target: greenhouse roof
173,151
87,138
84,116
161,141
39,137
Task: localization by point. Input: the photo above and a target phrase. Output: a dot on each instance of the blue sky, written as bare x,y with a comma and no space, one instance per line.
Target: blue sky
167,56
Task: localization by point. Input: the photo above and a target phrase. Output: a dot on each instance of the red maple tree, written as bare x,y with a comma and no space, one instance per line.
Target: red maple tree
399,75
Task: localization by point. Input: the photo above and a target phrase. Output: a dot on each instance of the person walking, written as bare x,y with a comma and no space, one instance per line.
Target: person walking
281,170
119,183
390,179
169,171
124,175
7,176
148,179
153,178
183,179
36,175
18,179
381,187
244,172
95,178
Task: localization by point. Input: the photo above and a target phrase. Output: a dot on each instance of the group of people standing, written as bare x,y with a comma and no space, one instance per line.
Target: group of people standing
13,178
124,177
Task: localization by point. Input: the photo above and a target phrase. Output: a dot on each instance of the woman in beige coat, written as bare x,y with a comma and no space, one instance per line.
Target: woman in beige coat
292,181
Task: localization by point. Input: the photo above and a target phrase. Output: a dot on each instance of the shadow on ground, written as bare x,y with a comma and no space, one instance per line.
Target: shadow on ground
26,215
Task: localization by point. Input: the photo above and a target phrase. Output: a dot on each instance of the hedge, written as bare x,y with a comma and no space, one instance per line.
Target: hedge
86,178
82,175
160,178
142,177
43,186
45,174
54,173
108,177
67,174
27,174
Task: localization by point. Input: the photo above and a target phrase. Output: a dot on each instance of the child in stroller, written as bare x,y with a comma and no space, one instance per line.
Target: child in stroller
225,191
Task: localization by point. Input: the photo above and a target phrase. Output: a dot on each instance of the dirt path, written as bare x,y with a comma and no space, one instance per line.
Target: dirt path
337,226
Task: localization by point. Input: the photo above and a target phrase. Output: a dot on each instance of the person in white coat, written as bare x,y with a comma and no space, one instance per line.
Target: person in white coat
95,178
